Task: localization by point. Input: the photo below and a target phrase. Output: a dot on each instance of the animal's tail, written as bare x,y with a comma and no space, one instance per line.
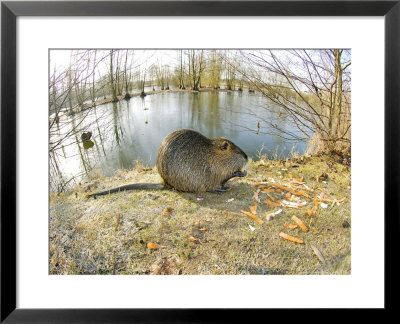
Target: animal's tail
134,186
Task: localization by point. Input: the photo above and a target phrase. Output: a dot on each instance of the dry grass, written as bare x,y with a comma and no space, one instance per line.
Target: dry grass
109,235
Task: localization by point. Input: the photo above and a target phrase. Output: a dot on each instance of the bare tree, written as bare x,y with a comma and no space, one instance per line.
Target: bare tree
230,73
113,84
196,64
214,69
160,75
180,72
126,76
313,87
142,81
71,90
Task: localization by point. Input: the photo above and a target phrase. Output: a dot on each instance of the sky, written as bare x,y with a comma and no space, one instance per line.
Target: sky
61,57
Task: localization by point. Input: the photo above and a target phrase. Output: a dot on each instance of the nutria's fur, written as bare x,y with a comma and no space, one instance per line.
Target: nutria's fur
188,161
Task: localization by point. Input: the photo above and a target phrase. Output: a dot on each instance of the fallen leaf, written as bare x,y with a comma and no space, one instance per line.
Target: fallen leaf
192,239
197,223
164,266
291,238
154,246
202,229
318,254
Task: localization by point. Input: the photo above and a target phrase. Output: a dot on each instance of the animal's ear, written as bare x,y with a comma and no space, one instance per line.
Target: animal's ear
224,146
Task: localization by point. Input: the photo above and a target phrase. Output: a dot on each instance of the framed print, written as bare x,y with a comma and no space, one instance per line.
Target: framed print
197,155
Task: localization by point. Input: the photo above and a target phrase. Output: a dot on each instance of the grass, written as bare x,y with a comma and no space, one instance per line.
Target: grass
109,235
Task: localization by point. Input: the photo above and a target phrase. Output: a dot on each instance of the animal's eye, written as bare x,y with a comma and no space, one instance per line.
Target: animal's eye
224,146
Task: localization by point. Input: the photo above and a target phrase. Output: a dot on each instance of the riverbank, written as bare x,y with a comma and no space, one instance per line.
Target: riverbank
168,232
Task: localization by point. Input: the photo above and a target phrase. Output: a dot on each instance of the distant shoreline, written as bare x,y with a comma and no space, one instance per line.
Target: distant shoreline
137,94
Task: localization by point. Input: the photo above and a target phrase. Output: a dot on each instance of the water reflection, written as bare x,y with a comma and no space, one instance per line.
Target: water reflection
88,144
130,130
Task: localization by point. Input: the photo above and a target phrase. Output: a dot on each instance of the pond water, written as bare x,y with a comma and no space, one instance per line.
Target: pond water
127,131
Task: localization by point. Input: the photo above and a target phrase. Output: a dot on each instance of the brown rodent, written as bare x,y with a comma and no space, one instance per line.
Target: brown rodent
188,161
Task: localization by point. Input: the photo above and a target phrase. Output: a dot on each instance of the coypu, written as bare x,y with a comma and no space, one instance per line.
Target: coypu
188,161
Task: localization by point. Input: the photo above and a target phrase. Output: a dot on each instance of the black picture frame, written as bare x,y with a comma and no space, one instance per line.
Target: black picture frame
11,10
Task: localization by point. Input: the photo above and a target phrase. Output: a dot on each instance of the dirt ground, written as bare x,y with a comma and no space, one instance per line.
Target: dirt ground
169,232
